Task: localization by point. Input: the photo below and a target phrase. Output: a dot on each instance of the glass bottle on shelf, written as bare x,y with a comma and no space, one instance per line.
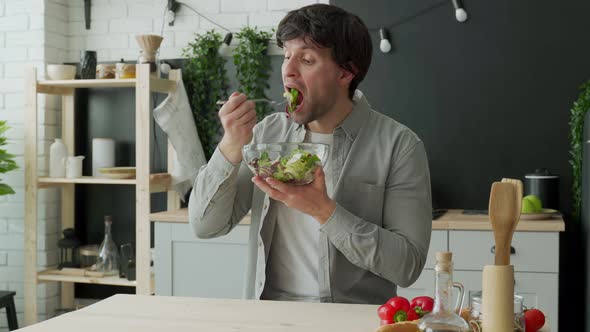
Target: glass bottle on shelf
108,256
444,318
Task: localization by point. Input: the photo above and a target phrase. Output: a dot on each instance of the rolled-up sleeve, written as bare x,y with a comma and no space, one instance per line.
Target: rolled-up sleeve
396,251
220,198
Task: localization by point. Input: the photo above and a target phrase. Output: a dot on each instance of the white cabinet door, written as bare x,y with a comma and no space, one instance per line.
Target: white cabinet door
188,266
540,290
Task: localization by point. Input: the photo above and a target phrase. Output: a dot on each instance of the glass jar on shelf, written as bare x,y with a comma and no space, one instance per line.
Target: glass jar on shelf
150,57
475,314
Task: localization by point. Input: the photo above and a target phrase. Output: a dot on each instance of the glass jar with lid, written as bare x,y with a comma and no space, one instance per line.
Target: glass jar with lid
475,314
150,57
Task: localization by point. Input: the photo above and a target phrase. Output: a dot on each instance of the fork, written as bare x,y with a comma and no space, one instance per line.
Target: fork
264,100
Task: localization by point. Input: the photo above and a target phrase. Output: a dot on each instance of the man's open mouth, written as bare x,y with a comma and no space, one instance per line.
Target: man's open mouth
294,100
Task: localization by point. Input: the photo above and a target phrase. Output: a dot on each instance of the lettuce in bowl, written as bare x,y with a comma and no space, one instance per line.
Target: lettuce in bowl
293,163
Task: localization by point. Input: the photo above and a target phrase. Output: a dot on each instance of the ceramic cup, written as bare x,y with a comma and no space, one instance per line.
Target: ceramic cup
73,166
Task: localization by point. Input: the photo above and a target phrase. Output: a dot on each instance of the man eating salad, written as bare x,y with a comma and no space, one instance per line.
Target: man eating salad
362,226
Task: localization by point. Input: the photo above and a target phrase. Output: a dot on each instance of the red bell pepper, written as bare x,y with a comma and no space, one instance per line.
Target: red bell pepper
412,315
422,305
385,312
400,306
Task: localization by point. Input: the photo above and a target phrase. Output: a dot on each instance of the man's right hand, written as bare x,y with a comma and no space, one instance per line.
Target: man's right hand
238,118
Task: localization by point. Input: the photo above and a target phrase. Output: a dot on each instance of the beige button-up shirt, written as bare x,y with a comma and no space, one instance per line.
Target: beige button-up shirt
378,236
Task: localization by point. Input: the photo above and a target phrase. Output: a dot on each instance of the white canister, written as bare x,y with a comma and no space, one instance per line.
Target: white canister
73,167
103,154
57,153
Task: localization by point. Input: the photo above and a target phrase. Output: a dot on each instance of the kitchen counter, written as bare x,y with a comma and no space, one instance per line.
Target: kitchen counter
452,220
129,313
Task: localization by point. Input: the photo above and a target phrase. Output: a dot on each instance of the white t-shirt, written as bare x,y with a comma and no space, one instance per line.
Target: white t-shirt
292,267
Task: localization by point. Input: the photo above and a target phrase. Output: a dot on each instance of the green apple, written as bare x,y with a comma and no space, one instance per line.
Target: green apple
527,206
536,201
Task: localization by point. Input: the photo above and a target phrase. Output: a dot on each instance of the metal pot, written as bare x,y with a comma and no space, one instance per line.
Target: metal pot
544,185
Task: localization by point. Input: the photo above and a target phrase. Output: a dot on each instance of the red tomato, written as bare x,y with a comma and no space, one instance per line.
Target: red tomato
385,312
534,319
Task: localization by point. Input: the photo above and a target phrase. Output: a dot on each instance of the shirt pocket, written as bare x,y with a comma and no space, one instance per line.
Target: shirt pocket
365,200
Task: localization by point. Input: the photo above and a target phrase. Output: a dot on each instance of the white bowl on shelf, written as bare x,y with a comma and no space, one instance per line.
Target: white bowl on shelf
61,72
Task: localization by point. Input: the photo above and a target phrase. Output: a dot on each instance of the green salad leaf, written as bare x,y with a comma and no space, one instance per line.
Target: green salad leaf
297,167
291,99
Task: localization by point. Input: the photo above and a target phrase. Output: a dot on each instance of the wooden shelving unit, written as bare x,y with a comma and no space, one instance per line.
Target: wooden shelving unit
174,216
51,275
144,182
180,216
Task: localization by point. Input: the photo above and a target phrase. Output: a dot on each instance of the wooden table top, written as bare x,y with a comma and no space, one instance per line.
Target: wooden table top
141,313
452,220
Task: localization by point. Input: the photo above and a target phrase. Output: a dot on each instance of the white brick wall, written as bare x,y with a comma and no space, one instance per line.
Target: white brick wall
52,31
31,32
114,20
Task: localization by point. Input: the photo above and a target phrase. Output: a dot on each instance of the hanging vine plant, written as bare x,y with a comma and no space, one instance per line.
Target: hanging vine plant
577,114
253,66
206,82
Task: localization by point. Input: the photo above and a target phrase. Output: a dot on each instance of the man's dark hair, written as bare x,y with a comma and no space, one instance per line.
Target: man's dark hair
331,27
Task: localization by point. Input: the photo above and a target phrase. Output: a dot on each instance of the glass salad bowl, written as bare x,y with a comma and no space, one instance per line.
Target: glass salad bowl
293,163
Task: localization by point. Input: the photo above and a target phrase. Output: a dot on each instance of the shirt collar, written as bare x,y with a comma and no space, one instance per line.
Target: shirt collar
356,119
353,123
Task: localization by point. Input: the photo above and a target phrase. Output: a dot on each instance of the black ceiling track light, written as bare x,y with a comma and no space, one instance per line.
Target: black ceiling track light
460,13
87,14
172,8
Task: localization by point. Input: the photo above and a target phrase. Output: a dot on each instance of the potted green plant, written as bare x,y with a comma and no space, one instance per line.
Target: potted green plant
7,163
253,66
206,83
577,114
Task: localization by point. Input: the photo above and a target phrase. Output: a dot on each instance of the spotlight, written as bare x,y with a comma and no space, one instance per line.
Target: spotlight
384,45
460,13
228,38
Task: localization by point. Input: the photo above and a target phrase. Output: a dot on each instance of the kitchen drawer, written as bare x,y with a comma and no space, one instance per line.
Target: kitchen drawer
424,285
438,242
538,289
534,251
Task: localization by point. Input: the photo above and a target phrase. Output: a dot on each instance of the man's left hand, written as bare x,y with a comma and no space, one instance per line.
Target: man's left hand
311,199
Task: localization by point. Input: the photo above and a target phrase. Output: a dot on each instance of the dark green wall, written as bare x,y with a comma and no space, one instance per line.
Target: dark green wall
489,97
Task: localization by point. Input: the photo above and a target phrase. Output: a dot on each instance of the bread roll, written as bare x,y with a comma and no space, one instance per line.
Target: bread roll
399,327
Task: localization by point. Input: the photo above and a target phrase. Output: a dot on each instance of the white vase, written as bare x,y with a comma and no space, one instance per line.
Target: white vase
103,154
57,153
